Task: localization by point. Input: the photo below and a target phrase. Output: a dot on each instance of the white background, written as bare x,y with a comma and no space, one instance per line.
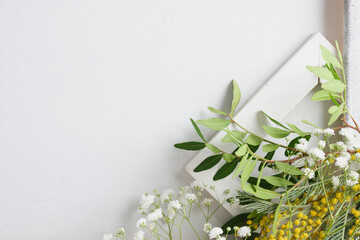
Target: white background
95,93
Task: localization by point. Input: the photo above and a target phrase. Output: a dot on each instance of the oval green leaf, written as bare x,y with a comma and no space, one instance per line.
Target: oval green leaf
270,147
279,182
214,123
276,132
191,146
253,140
288,169
208,163
334,86
236,97
225,170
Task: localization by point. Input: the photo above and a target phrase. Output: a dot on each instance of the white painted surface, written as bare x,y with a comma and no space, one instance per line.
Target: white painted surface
95,93
352,54
277,97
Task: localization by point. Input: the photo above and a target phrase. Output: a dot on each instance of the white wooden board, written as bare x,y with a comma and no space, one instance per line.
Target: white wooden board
272,99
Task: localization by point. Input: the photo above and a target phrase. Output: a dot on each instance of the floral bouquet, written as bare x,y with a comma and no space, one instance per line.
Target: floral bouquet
312,194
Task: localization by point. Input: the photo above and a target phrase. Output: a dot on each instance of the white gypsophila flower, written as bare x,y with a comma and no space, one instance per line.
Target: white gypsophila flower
310,161
244,232
345,155
317,132
228,229
185,189
151,226
139,235
341,162
316,153
155,215
354,144
175,204
190,197
353,179
206,202
108,237
215,232
167,195
328,132
308,172
146,200
341,146
302,145
335,181
197,185
171,213
141,223
348,133
207,227
321,144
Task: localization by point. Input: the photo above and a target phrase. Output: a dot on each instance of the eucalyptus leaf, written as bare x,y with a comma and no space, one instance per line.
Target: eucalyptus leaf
228,157
214,123
321,72
236,97
197,129
277,181
333,109
270,147
296,130
208,163
248,168
241,165
214,110
233,136
260,192
334,100
329,57
276,132
339,52
323,95
242,150
191,146
336,114
213,148
334,86
253,140
275,121
225,170
288,169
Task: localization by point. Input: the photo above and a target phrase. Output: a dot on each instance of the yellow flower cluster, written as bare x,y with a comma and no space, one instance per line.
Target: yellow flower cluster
309,220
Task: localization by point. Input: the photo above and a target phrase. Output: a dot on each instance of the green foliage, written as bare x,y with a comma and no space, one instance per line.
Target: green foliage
296,130
329,57
275,121
277,181
197,129
241,164
276,132
236,97
228,157
225,170
270,147
214,110
233,136
241,151
208,163
334,86
253,140
191,146
288,169
324,95
321,72
336,114
212,148
214,123
239,220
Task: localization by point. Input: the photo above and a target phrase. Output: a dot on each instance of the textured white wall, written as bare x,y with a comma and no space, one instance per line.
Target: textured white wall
95,93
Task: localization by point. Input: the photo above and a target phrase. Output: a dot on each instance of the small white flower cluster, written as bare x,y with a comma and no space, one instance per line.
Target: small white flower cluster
351,139
328,132
308,172
353,179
